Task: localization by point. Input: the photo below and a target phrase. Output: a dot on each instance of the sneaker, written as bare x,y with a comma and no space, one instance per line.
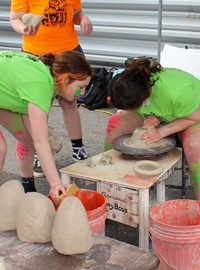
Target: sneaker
79,154
38,172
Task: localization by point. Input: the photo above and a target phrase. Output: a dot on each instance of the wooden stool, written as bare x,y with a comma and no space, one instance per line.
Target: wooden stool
127,194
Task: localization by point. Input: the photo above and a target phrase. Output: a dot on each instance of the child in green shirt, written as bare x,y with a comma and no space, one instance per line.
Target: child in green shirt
27,86
167,99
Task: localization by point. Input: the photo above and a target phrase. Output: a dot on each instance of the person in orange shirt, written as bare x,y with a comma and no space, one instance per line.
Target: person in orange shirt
54,33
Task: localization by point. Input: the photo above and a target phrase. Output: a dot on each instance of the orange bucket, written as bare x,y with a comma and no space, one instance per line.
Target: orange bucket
95,205
175,232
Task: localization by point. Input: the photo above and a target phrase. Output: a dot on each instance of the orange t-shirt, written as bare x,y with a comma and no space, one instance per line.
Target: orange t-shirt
56,32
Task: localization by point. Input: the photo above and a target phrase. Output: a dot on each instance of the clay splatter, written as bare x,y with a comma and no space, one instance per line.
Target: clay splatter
107,146
196,176
18,133
185,136
1,134
114,122
21,150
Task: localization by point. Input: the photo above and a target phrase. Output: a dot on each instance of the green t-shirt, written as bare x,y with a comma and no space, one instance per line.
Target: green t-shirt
23,79
175,94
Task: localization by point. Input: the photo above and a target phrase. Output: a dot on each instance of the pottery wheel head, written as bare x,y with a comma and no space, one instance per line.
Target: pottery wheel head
127,145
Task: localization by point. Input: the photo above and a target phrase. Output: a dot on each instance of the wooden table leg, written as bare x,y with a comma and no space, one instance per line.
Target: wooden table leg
161,191
144,218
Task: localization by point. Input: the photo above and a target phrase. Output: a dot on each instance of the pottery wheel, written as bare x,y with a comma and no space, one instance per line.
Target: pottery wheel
121,144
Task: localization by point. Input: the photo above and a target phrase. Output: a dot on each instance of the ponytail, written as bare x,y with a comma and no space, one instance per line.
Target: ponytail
145,67
47,58
129,89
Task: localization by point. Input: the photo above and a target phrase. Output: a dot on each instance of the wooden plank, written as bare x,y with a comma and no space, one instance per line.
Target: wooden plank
121,171
144,219
106,253
122,203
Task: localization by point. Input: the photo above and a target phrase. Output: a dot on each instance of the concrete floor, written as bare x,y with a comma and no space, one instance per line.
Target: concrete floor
94,125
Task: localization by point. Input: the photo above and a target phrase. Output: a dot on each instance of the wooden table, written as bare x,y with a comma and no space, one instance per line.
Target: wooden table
128,199
106,253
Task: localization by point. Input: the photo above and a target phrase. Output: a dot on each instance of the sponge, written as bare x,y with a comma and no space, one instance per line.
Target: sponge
70,191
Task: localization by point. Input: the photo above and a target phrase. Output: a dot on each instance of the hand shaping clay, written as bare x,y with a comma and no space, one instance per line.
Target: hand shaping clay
135,141
71,232
35,218
11,195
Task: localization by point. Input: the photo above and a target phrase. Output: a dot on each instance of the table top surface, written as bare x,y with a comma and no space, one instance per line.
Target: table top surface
121,171
106,253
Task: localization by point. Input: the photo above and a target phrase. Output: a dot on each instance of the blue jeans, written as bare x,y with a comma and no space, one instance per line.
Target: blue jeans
78,49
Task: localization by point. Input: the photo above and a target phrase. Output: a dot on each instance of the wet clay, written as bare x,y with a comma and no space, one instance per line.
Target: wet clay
135,141
35,217
71,232
54,140
90,163
11,195
104,160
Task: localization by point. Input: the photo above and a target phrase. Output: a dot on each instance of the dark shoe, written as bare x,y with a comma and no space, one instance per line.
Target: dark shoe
38,172
79,154
28,184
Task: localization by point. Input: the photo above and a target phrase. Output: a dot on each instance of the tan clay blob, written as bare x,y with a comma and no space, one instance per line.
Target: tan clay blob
31,19
35,218
90,163
105,160
135,141
2,266
11,195
71,232
54,140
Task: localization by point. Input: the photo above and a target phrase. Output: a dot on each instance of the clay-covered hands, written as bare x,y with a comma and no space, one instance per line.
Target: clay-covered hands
32,23
56,191
151,121
152,135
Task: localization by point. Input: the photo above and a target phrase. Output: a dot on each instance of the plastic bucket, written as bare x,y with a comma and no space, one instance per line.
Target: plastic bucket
175,232
95,206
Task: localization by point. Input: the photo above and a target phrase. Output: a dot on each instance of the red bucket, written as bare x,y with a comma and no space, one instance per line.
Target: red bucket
175,232
95,205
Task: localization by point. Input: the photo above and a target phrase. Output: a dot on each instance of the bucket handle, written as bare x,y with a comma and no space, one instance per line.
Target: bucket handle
172,267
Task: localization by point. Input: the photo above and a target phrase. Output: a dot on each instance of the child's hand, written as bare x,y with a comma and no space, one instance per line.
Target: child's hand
55,192
151,121
151,135
32,23
86,26
30,30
